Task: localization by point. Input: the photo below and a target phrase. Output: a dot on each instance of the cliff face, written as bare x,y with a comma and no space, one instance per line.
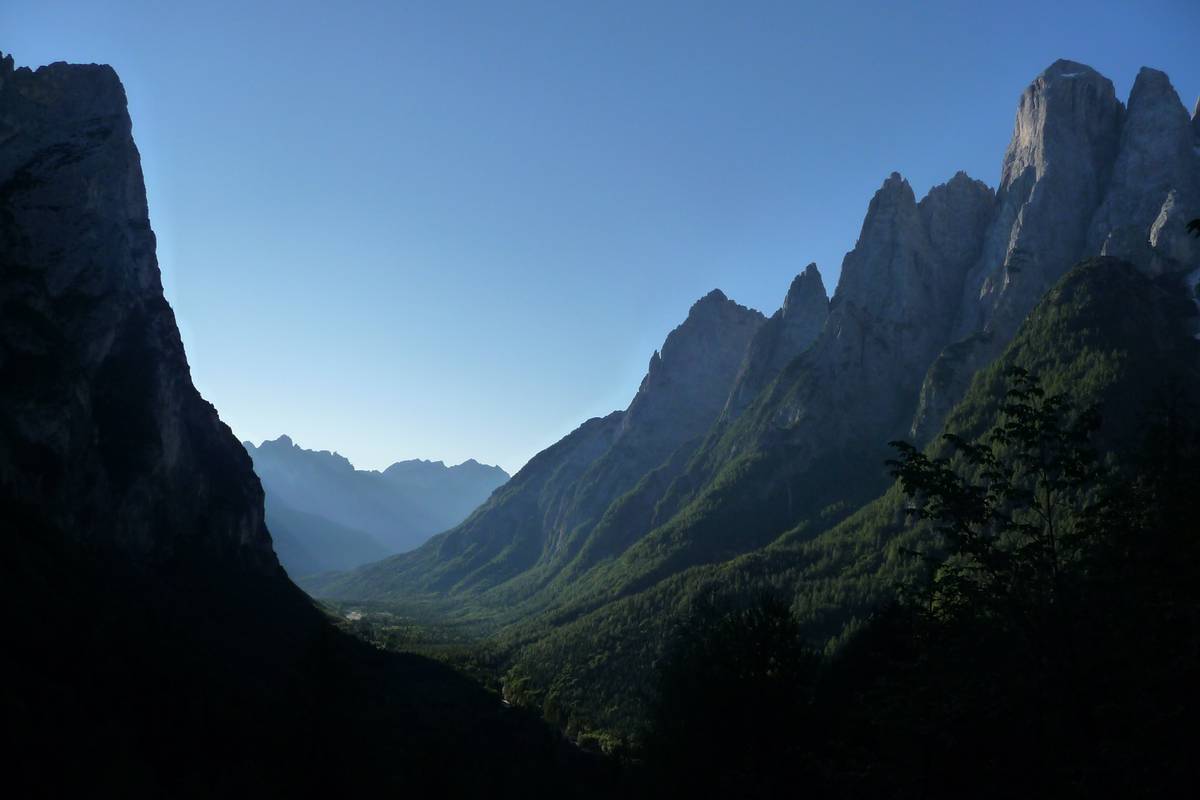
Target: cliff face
1082,176
787,334
104,438
154,645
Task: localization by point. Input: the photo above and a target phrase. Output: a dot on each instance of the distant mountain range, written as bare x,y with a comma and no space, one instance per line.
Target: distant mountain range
326,515
751,437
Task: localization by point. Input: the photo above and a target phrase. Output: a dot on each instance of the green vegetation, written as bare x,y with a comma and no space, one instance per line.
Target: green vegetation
587,653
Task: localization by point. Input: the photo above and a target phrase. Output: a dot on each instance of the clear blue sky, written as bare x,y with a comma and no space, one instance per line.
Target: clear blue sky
453,230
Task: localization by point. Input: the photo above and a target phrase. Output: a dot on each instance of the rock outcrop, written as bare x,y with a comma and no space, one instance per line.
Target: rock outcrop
153,645
103,432
1055,171
892,311
788,333
1154,186
1082,176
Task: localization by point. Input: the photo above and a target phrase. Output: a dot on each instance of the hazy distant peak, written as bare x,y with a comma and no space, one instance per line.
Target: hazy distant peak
415,466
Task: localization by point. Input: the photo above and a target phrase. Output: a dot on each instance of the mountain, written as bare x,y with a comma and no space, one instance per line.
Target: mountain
546,517
154,645
931,296
308,544
787,334
1107,334
1083,175
327,515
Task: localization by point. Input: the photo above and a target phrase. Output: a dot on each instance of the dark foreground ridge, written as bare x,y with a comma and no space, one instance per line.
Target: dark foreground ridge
154,645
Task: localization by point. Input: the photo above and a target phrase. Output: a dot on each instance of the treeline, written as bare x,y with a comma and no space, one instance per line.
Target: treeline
1049,645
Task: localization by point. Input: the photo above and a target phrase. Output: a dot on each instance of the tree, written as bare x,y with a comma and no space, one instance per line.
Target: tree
733,708
1010,511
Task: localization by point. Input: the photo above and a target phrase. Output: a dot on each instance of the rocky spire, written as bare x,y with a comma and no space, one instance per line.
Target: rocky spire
1156,162
956,215
1055,170
689,380
787,334
806,292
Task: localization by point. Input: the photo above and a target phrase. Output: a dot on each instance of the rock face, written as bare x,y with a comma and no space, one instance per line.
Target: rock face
153,644
1082,176
892,311
103,431
396,510
787,334
1154,182
688,383
1055,171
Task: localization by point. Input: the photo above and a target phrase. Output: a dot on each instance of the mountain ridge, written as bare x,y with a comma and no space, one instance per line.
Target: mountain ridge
333,516
932,293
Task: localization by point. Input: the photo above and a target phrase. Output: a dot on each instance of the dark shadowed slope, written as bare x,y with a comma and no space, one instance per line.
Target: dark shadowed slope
153,644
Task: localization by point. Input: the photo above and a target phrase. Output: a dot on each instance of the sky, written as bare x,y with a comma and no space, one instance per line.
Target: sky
454,230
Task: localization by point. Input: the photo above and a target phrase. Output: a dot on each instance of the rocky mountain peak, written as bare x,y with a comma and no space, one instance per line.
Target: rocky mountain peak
1055,171
880,272
806,294
689,379
1069,111
1156,161
788,333
956,215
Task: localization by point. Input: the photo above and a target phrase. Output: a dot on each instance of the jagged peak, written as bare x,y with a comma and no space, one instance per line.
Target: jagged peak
1068,77
959,183
961,178
1152,85
712,306
715,297
894,183
894,193
806,288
